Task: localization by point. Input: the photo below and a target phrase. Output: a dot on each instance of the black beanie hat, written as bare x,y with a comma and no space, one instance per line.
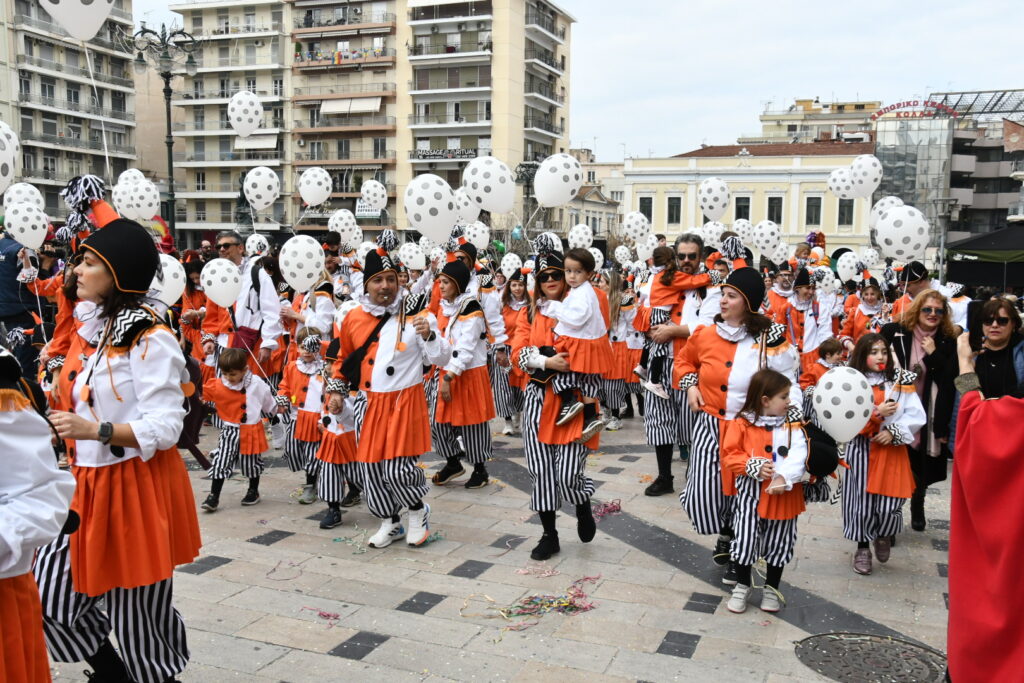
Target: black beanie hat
750,284
914,272
803,278
785,266
379,260
469,249
458,272
129,253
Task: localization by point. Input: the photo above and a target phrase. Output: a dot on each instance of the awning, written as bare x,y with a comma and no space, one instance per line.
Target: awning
430,3
256,142
352,105
334,107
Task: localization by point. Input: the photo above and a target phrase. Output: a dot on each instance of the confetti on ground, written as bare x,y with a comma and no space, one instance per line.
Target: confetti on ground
330,617
646,479
508,545
541,571
602,510
436,536
263,522
423,465
290,565
530,609
499,483
356,541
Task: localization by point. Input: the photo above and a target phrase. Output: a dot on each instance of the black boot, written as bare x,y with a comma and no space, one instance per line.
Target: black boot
659,487
640,404
107,665
352,497
453,468
586,527
627,412
917,520
478,479
548,544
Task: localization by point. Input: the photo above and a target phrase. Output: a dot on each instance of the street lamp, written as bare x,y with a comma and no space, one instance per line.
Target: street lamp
163,50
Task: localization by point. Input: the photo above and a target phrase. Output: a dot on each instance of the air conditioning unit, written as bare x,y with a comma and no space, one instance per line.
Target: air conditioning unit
300,142
434,29
259,43
480,25
356,11
462,27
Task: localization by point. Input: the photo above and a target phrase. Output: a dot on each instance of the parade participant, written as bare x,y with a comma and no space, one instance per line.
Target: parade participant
830,355
620,317
915,279
715,368
764,454
508,382
635,342
582,332
924,343
383,348
314,308
463,403
782,289
241,399
879,479
554,455
35,496
138,521
867,314
300,398
808,320
193,311
1000,366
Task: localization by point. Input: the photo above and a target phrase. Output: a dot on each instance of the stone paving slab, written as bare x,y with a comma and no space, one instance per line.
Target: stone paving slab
274,598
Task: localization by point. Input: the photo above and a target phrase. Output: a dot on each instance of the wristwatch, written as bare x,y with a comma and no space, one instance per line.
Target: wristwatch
106,432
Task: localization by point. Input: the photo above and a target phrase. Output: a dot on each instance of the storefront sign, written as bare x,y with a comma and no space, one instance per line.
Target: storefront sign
364,210
446,153
918,109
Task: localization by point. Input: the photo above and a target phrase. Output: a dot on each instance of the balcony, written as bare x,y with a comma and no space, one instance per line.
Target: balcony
963,163
1017,170
330,158
994,200
344,124
350,191
451,12
325,26
964,196
216,127
209,190
270,157
233,31
74,71
100,40
76,143
420,86
543,126
344,59
206,64
65,106
442,155
448,120
202,98
546,60
47,176
357,90
1015,214
545,25
443,53
544,92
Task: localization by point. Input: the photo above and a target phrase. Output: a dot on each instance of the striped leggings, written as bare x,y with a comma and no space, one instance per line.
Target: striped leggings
558,472
226,456
705,503
662,418
772,539
149,630
613,391
390,485
508,400
866,516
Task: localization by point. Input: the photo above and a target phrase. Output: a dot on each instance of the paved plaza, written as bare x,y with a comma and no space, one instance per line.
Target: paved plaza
274,598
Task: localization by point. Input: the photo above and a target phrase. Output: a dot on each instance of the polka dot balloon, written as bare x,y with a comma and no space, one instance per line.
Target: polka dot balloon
468,210
780,255
26,224
767,237
344,223
426,244
344,308
169,282
622,255
262,187
870,257
121,195
364,249
558,180
903,233
412,256
635,226
580,236
430,206
489,183
10,155
712,234
880,206
479,234
245,113
745,230
598,257
130,177
302,262
145,200
866,173
221,281
315,186
510,263
82,19
256,245
846,266
713,196
843,402
840,183
374,194
23,193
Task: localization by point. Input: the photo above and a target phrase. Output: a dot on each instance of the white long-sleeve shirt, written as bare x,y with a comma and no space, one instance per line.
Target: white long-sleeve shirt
578,314
261,312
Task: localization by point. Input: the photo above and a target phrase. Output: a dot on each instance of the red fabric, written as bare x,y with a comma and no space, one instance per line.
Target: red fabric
986,632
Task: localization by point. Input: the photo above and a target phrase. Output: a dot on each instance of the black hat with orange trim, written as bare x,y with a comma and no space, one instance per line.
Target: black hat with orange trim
379,260
749,283
458,273
128,250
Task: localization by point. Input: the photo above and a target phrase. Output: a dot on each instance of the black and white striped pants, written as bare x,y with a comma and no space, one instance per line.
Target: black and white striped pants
705,503
634,388
359,408
508,400
613,391
558,472
662,418
150,632
226,455
687,418
589,384
390,485
866,516
300,455
472,440
772,539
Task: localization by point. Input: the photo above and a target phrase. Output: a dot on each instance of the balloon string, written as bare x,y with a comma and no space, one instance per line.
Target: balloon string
96,98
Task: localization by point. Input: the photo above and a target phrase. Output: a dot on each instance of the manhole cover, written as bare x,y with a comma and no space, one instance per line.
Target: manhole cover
859,657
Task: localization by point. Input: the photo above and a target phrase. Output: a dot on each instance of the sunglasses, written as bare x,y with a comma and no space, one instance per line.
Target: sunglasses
228,245
928,310
549,275
1000,320
688,257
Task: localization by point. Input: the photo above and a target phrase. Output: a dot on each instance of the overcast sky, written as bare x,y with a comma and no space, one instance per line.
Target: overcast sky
663,76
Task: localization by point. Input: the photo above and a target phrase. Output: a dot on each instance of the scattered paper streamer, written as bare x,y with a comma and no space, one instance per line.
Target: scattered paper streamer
541,571
357,541
646,479
602,510
277,567
530,609
330,617
508,545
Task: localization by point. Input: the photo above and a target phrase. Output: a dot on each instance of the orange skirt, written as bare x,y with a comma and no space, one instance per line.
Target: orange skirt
337,449
252,440
808,360
889,472
396,425
472,400
642,319
307,426
587,356
138,523
622,362
22,648
554,435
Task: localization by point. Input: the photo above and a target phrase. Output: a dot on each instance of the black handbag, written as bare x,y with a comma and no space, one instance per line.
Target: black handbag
352,366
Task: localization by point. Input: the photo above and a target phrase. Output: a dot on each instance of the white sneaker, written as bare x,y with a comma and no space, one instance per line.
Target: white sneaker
614,425
770,600
516,419
419,526
738,601
387,533
641,372
509,429
277,435
655,389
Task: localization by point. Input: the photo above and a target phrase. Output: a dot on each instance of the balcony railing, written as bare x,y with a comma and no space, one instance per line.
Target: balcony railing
236,29
444,49
454,11
342,57
220,125
545,22
54,28
75,142
544,90
484,82
448,154
356,189
74,70
442,119
265,59
44,174
227,94
1018,166
217,155
353,19
543,57
212,187
541,124
346,121
345,89
353,155
78,107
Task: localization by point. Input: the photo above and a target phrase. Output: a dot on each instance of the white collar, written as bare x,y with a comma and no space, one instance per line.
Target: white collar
450,308
783,292
870,310
516,305
801,305
378,311
241,386
730,333
875,378
313,367
829,365
772,421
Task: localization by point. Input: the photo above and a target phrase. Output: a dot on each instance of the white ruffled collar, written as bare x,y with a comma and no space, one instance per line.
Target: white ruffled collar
451,308
875,378
771,421
801,305
240,386
516,305
870,310
378,311
783,292
730,333
313,367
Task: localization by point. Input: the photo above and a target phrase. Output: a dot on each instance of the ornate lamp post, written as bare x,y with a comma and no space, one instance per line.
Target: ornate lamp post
164,50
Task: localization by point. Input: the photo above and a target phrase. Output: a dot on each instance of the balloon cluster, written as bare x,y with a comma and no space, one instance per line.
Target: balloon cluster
860,179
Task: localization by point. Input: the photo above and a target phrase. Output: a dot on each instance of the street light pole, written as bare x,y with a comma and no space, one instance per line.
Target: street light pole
172,208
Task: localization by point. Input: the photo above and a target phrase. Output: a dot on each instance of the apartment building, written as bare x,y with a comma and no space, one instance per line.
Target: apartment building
67,128
808,120
382,89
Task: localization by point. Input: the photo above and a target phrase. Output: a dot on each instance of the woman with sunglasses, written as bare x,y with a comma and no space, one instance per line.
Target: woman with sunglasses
924,343
1000,365
554,456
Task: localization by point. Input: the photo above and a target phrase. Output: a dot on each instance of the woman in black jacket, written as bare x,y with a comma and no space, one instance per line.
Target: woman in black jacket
925,343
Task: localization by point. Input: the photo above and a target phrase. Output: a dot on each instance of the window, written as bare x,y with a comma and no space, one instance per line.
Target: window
47,89
279,86
484,146
197,90
454,143
316,150
591,176
74,95
380,148
24,85
200,181
118,101
422,144
617,195
675,206
200,210
742,208
813,215
845,212
74,129
227,211
775,209
250,83
28,162
74,163
197,22
49,124
647,208
344,148
199,117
